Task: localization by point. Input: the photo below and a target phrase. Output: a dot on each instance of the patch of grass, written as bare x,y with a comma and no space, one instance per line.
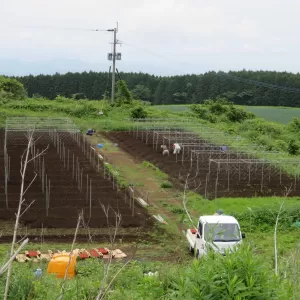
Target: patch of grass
174,108
238,205
115,172
159,174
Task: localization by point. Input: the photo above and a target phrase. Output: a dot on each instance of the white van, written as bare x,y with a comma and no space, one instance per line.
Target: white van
217,232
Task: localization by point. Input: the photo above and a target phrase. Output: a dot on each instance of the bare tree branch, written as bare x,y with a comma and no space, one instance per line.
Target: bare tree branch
6,265
28,206
40,154
184,201
100,297
30,183
112,235
80,217
275,230
23,168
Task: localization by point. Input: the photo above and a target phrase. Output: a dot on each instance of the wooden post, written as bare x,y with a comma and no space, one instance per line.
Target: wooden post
47,192
133,202
49,189
262,178
8,168
87,187
90,198
64,154
68,158
73,166
43,174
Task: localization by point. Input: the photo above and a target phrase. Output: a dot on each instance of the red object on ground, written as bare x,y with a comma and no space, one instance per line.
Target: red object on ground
83,255
193,231
103,250
32,253
95,253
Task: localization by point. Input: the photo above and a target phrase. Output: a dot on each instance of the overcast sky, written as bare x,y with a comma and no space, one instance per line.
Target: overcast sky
162,37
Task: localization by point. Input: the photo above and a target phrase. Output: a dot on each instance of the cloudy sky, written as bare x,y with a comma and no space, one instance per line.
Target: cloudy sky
162,37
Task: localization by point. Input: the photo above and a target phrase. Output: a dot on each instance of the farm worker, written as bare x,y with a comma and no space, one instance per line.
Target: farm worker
165,150
176,148
219,213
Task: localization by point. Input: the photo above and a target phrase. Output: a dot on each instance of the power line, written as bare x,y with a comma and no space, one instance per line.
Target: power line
260,83
58,28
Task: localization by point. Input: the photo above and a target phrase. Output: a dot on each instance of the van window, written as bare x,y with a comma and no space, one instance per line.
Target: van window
200,228
222,232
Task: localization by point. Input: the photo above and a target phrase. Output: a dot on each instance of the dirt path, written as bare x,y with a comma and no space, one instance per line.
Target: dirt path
163,201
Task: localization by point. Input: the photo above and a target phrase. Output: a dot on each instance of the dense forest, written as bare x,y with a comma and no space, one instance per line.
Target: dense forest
238,87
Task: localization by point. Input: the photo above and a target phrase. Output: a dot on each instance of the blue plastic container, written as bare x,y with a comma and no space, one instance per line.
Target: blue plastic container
100,145
38,273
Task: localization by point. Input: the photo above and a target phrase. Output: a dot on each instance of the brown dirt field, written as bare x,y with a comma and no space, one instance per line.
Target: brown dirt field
178,172
66,201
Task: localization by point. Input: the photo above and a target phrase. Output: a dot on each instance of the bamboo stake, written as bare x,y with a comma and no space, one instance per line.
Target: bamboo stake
90,198
133,202
47,191
87,187
43,173
73,166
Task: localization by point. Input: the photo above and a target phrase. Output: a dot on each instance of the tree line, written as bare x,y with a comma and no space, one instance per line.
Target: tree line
173,89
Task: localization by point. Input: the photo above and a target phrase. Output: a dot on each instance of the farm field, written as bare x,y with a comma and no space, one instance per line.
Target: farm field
281,115
135,160
70,179
242,179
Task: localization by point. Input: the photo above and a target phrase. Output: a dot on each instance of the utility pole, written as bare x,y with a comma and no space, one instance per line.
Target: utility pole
114,56
113,86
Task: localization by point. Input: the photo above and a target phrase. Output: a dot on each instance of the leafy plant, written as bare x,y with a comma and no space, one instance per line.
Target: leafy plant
293,147
12,88
139,113
166,185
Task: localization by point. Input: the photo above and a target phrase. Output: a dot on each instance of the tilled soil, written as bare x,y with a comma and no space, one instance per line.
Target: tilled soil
67,200
178,171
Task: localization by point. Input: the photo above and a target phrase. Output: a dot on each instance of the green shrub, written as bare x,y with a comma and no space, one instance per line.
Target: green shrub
294,125
166,185
199,110
177,210
293,147
238,115
218,108
13,88
238,275
139,113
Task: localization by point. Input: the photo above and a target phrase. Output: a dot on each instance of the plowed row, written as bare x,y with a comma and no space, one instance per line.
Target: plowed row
66,201
178,171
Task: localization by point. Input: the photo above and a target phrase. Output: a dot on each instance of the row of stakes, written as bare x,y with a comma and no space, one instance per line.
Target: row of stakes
70,160
68,163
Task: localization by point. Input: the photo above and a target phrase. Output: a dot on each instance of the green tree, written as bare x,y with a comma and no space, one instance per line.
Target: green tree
12,87
141,92
123,94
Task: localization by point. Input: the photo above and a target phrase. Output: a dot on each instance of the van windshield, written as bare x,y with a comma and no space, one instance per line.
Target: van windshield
222,232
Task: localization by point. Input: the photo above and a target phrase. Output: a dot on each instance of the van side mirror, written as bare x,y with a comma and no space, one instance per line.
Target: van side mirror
243,235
